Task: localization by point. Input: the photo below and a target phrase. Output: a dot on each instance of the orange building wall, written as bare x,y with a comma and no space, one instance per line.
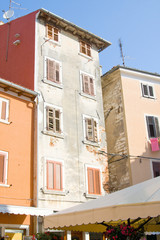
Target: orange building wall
17,62
17,139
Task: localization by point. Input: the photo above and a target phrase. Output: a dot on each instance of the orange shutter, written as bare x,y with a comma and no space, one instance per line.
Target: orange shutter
90,181
3,110
49,31
58,176
50,175
97,181
2,167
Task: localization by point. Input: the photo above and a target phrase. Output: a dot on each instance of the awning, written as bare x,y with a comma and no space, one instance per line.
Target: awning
33,211
136,203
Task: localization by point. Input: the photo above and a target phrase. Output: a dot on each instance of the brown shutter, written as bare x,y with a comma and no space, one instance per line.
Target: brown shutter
56,34
3,110
85,80
57,121
49,31
57,73
51,70
97,182
89,129
50,118
91,86
90,180
95,131
2,175
82,47
88,50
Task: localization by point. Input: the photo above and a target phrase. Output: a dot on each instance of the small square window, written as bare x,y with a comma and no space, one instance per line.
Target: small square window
147,90
90,129
4,110
53,119
53,71
54,175
88,84
153,127
53,33
85,48
94,181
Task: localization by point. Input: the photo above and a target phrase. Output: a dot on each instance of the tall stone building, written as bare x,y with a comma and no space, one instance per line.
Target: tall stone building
60,61
131,108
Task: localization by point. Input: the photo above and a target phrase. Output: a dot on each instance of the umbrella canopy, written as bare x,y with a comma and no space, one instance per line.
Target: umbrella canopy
136,203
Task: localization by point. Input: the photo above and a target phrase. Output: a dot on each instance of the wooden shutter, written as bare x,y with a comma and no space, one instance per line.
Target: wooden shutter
50,175
2,168
157,127
97,181
82,47
89,129
50,116
57,121
3,110
95,131
57,74
49,31
90,180
156,169
91,86
56,32
51,70
88,50
58,176
85,80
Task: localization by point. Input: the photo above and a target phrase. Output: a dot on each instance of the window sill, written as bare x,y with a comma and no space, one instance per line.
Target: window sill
52,83
52,41
4,185
58,135
5,121
149,97
54,192
88,96
93,196
86,56
95,144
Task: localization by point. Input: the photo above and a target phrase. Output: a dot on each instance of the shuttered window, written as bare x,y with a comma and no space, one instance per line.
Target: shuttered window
54,176
3,167
91,129
156,169
85,48
53,70
4,103
53,119
53,33
94,181
147,90
88,84
153,127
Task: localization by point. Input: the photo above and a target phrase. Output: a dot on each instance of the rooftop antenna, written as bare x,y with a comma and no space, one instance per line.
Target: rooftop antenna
121,51
18,4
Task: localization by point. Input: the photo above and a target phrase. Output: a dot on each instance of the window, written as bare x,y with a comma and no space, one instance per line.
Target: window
153,127
53,118
3,167
85,48
4,110
90,129
147,90
156,169
54,175
52,70
94,180
52,33
88,85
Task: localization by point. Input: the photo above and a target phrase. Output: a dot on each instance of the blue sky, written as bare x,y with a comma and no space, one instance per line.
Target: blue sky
135,22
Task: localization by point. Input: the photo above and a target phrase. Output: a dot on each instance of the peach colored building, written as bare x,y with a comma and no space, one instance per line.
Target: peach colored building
132,116
17,174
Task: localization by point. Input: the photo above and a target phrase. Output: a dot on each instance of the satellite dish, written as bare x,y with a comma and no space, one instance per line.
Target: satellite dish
8,14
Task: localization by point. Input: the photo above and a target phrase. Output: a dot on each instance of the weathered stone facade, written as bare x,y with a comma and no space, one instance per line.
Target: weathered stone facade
116,131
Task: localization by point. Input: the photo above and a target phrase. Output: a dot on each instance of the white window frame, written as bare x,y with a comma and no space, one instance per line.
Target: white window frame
151,166
145,119
81,85
88,195
6,169
7,110
45,120
84,130
49,191
148,85
59,85
50,39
